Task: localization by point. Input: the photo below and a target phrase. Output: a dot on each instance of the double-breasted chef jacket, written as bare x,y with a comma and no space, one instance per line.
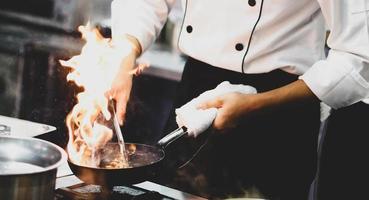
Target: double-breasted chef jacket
258,36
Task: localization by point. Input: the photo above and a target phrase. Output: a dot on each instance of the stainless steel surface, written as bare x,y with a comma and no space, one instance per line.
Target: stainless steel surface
28,168
179,132
170,192
4,129
67,181
164,62
10,126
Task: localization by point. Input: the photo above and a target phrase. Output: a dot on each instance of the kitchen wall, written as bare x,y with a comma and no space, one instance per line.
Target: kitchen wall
9,71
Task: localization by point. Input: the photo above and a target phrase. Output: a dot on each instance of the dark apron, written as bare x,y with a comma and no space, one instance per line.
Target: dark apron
274,153
345,154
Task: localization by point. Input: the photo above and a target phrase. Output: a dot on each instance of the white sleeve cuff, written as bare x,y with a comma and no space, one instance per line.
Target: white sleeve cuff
337,80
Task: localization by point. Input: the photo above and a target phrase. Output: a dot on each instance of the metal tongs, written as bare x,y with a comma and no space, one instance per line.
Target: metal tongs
118,131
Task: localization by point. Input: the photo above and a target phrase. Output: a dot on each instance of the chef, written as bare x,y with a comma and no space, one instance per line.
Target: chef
266,141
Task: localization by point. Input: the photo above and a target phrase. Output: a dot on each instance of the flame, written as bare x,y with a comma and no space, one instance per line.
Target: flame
94,70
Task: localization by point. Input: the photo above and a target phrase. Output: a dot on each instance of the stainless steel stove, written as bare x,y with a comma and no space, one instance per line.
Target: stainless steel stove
95,192
69,187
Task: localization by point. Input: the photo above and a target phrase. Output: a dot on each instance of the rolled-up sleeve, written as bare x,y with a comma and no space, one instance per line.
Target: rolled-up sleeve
142,19
343,78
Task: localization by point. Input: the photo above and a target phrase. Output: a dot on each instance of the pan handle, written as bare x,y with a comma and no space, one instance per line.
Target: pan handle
174,135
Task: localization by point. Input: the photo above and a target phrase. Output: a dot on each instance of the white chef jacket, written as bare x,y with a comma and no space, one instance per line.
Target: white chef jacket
258,36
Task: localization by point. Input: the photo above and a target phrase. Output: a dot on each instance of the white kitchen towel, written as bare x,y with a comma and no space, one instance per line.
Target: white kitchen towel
196,120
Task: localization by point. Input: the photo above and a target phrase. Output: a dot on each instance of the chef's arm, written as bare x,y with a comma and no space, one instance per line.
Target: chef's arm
340,80
142,19
135,24
136,47
292,94
343,78
234,106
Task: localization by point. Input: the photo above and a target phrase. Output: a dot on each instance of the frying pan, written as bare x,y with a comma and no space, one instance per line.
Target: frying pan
145,164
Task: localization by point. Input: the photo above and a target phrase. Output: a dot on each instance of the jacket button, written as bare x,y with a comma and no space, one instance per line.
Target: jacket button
239,47
252,2
189,29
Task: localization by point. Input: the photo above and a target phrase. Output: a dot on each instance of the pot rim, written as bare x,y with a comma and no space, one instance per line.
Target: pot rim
62,159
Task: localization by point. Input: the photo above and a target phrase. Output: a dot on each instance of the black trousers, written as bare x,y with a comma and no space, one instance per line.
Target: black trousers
345,153
272,154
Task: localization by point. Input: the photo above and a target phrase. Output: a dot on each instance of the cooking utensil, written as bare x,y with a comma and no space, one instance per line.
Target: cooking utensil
118,131
28,168
145,161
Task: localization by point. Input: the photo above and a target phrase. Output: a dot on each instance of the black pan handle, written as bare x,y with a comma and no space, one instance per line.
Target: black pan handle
174,135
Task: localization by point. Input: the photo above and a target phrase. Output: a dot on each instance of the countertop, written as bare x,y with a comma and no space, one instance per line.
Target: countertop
164,62
23,128
65,178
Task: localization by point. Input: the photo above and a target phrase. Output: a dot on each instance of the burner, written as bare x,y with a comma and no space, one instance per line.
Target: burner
95,192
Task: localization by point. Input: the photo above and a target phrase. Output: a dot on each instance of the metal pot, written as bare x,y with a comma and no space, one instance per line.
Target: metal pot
28,168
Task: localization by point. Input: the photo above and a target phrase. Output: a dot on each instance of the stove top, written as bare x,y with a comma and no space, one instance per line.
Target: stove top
69,187
95,192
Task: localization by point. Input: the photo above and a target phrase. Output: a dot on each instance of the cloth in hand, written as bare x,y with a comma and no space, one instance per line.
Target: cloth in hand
197,120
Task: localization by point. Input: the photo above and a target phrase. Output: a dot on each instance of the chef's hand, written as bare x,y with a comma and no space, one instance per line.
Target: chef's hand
231,107
234,106
122,83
